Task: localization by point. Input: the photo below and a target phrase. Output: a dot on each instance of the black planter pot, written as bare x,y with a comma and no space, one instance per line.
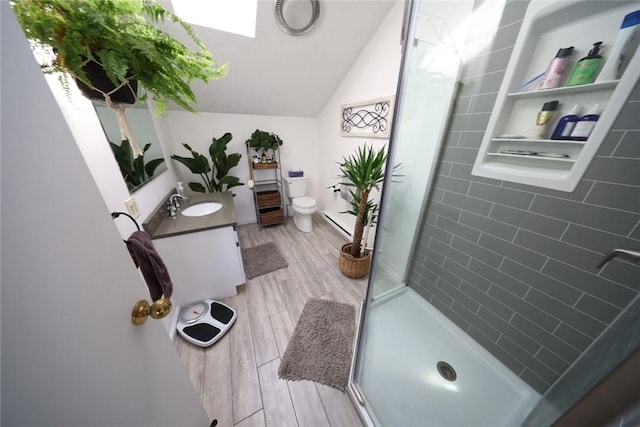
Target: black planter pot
127,94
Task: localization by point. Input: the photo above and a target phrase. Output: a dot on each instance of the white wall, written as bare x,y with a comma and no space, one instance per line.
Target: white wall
70,354
374,75
299,136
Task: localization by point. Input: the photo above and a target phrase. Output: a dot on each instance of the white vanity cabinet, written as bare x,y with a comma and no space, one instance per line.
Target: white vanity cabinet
547,27
203,264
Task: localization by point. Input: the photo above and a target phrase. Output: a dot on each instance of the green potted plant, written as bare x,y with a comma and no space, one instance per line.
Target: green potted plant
363,172
215,175
263,142
122,38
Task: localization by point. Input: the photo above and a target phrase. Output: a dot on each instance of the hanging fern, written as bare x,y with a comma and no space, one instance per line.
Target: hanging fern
122,36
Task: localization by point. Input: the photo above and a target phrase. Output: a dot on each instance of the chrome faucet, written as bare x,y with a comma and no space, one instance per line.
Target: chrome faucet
632,255
173,205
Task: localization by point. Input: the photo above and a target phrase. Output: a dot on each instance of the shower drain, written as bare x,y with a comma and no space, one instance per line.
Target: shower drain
446,371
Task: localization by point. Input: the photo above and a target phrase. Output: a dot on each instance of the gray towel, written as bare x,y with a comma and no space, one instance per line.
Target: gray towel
151,266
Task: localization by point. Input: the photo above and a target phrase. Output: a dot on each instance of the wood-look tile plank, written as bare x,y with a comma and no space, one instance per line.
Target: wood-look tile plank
193,359
307,404
338,407
264,343
296,298
278,408
306,279
244,375
282,329
272,295
217,394
255,420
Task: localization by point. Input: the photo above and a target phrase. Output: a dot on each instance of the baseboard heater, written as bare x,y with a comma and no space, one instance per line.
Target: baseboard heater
344,224
339,222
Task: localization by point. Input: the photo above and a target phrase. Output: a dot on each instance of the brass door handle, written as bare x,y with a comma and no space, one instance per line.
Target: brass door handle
158,310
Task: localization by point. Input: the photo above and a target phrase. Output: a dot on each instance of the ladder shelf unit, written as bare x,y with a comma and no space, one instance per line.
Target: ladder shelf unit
267,189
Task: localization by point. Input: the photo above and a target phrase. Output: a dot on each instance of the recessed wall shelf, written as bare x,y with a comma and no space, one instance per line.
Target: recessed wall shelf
547,27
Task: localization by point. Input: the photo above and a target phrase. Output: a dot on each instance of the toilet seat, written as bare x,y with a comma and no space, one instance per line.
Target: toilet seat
304,202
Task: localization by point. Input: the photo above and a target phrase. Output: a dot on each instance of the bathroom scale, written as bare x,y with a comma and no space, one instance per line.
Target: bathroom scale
204,322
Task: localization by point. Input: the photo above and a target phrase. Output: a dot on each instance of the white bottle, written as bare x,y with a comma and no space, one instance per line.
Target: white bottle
180,190
623,49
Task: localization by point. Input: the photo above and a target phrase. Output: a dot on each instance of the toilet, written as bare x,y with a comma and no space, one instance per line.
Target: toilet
302,205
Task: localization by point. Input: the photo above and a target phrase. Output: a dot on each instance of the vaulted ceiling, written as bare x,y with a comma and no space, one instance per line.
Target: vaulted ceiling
283,75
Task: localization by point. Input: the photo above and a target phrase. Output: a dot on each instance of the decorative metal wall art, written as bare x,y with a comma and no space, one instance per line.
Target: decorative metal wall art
371,119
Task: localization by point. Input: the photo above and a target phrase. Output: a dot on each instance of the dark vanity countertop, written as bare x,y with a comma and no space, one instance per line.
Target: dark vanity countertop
160,224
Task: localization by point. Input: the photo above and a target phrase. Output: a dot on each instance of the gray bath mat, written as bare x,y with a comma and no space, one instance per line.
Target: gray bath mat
262,259
321,345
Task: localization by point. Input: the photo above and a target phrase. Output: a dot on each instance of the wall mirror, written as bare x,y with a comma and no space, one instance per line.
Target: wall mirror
296,17
136,172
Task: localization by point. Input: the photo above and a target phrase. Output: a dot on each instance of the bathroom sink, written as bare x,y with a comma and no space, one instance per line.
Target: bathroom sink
201,209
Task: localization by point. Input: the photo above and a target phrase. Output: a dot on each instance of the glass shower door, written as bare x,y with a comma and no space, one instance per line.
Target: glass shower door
428,84
430,70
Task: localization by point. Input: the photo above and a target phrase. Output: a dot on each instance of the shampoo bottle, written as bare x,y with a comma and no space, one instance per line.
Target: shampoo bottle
585,124
587,68
623,48
553,75
566,124
544,117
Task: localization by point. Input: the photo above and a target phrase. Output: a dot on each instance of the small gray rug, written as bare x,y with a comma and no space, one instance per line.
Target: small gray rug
321,345
262,259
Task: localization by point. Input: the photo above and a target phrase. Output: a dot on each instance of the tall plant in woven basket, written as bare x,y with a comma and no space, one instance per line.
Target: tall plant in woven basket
362,172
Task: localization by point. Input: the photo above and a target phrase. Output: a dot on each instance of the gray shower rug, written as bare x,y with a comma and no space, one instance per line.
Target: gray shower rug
262,259
321,345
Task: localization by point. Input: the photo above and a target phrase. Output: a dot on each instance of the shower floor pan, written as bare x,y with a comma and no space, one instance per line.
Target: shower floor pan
420,369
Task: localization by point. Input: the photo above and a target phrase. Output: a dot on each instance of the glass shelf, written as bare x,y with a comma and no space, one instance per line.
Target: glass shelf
533,157
537,141
565,90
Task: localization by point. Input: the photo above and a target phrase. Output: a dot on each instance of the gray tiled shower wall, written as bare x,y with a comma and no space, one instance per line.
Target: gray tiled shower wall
514,265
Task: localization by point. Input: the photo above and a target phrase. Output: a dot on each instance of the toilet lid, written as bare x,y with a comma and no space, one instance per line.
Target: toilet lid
304,202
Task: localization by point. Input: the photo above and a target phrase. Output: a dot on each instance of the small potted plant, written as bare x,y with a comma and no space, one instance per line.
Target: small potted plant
363,172
264,144
120,38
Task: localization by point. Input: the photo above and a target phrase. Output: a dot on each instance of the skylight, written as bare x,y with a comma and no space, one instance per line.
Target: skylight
232,16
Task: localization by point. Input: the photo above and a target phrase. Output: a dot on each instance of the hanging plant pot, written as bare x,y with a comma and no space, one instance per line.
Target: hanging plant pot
351,266
127,94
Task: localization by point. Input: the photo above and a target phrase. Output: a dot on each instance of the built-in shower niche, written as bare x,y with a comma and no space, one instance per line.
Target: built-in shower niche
547,27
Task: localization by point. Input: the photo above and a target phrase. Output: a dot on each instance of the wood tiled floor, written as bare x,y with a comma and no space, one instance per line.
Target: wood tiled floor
237,378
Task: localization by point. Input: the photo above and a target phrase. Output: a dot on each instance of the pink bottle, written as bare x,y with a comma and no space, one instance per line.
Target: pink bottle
553,75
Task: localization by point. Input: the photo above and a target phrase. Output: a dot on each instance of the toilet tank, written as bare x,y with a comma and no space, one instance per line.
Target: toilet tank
296,187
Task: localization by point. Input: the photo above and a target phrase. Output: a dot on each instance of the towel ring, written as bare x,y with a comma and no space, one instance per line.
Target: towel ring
115,215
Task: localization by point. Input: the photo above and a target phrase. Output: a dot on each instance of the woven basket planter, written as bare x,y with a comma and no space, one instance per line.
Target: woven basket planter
351,266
